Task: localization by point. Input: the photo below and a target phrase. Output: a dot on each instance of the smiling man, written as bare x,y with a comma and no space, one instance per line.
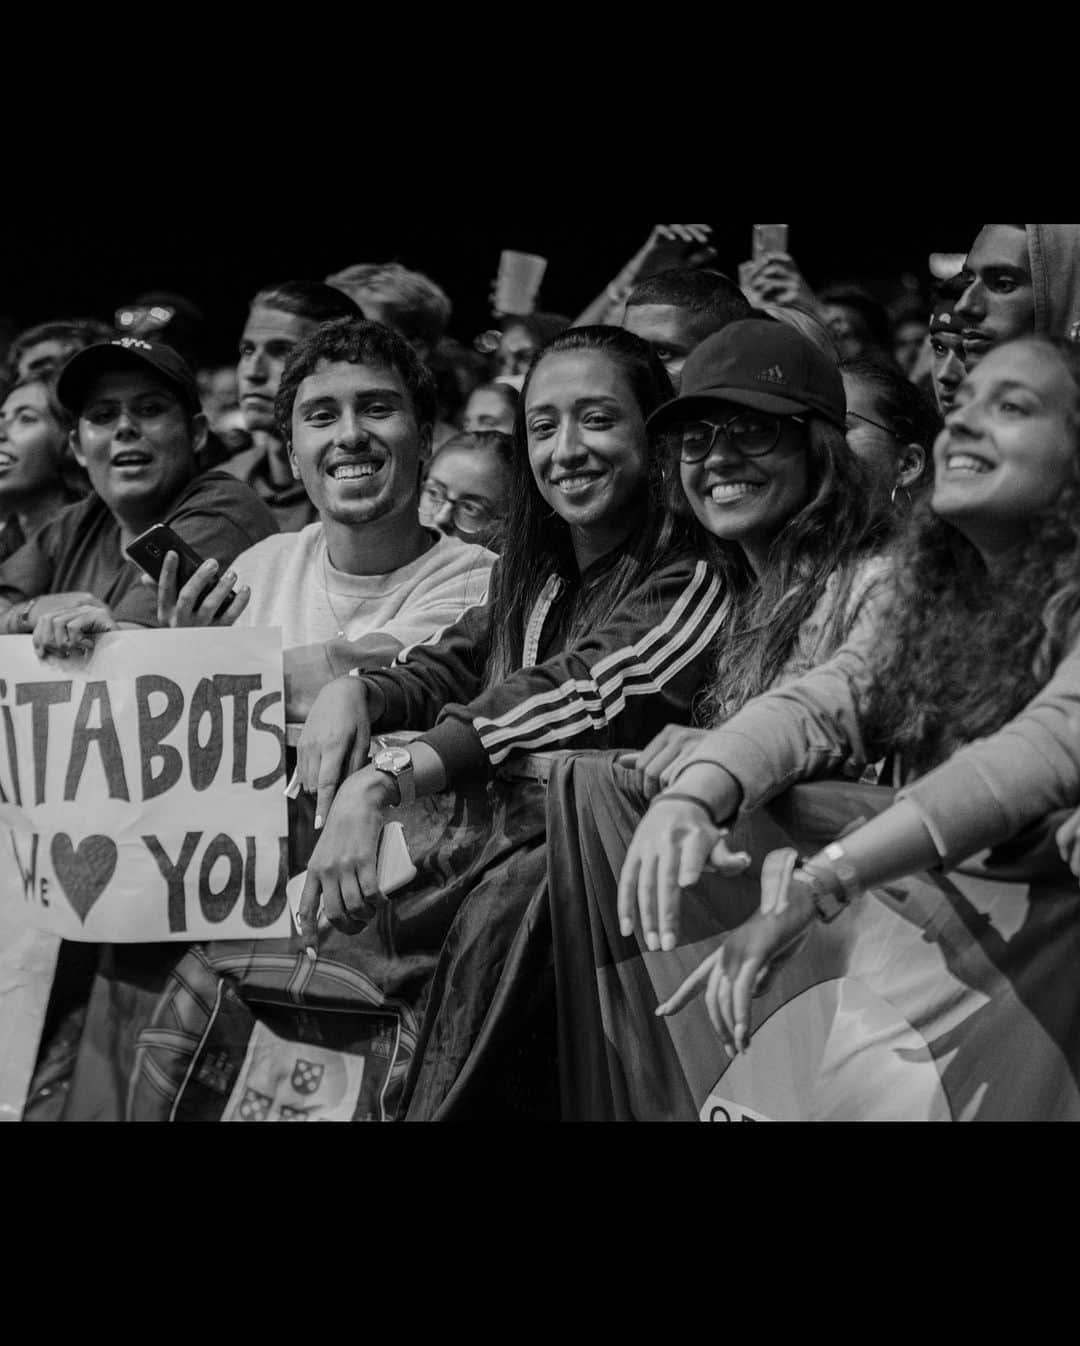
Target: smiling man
355,410
138,431
1019,279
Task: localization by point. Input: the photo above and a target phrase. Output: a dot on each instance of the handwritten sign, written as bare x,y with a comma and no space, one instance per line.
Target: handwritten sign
141,787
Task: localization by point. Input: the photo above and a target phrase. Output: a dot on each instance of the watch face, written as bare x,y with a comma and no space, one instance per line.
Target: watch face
393,759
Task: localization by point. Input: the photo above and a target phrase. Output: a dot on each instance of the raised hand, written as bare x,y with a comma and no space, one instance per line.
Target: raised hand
202,600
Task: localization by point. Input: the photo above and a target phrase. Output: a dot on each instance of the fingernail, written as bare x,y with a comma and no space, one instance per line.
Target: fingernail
311,953
318,821
667,941
651,941
626,928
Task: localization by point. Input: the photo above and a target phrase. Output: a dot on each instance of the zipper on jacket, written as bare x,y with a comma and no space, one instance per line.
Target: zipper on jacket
531,646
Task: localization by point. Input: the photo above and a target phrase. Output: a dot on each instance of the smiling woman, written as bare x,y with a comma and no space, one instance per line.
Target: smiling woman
971,682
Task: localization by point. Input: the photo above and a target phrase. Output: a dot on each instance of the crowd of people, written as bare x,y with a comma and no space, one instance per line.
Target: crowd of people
710,540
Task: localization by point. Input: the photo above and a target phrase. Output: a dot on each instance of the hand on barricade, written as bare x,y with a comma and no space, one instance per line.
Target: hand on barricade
739,969
335,741
202,600
670,746
342,871
674,844
71,629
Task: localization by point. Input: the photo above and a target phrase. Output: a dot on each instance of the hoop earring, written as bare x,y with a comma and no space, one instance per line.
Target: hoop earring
907,495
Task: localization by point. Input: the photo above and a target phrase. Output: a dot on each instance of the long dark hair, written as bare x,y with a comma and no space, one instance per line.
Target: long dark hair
824,542
536,542
967,650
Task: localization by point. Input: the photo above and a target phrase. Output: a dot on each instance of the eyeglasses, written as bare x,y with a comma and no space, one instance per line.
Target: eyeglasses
876,424
468,516
752,433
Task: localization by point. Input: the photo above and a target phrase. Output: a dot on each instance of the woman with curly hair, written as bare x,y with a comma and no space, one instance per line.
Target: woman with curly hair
970,685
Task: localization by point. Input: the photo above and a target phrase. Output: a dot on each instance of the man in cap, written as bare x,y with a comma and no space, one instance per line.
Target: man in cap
139,429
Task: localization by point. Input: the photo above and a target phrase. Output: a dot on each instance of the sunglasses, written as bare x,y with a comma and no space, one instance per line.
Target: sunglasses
752,433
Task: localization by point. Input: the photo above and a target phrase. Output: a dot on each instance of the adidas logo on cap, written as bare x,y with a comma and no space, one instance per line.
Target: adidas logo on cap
772,375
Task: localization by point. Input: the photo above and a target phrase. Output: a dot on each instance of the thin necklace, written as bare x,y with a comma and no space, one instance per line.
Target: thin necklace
326,585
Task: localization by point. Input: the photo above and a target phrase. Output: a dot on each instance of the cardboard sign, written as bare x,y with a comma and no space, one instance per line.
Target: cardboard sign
141,787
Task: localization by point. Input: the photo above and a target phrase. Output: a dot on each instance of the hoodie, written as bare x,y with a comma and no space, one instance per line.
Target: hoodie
1054,251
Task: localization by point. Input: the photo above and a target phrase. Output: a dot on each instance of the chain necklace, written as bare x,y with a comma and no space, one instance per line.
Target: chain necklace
326,586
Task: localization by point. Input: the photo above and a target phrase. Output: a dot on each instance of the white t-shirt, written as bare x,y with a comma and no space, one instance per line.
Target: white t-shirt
294,586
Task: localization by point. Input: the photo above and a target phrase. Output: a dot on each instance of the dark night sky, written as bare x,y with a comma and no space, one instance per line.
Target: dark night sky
53,269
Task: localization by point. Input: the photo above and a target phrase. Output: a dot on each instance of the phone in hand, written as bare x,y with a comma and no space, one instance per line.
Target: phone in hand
769,238
150,548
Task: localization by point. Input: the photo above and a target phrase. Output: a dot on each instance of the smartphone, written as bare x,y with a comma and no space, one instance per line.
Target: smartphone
770,238
149,550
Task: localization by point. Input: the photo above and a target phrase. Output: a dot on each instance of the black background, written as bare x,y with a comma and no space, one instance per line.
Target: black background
57,269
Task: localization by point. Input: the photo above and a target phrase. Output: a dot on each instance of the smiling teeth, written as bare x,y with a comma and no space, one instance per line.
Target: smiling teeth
570,485
351,471
964,462
731,490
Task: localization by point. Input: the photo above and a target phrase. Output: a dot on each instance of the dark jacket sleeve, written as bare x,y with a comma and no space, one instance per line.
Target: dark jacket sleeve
449,666
616,687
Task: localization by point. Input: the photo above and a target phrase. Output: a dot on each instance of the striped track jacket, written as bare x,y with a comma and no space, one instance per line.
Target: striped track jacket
614,688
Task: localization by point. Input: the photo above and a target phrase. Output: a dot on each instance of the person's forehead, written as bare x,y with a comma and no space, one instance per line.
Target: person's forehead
344,380
466,471
273,324
32,395
1035,367
518,339
669,323
999,245
487,397
569,375
51,346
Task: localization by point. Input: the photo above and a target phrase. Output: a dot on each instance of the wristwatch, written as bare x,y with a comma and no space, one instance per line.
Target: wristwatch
825,892
398,762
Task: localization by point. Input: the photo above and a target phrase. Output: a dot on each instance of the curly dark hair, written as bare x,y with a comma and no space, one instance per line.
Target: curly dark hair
355,341
967,650
536,543
826,541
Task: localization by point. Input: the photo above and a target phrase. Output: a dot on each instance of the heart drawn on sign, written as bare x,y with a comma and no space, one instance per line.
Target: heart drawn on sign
84,871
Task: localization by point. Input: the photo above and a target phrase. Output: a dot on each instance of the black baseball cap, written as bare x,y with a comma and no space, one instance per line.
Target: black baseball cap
757,363
87,365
